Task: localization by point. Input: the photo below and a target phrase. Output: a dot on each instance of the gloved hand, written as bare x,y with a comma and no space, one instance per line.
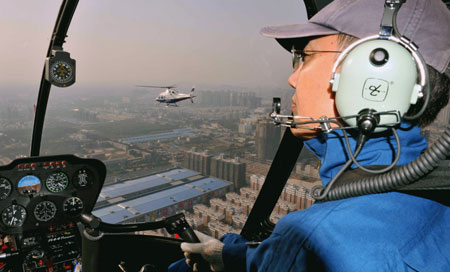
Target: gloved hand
209,248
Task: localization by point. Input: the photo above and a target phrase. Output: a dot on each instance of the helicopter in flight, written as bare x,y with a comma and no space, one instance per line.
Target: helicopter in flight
171,96
46,202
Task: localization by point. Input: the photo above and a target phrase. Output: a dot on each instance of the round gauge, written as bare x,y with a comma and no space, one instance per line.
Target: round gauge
61,71
44,211
29,185
14,216
83,179
57,182
5,188
73,206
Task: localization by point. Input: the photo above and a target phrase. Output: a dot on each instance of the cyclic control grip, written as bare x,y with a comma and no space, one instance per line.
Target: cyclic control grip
178,224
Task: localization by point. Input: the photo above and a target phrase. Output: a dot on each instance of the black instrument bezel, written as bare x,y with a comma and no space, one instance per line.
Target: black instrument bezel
88,195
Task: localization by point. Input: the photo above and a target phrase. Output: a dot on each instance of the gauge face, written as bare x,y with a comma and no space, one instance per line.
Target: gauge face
61,71
5,188
44,211
57,182
73,206
29,185
83,179
14,216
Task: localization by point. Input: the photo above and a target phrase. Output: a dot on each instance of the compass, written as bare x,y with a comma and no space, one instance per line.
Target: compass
60,69
61,72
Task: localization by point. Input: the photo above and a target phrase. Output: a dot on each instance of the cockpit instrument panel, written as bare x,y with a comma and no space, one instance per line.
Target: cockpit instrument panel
40,192
41,199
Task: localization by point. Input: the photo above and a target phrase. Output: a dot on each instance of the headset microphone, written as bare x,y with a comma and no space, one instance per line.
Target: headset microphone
380,77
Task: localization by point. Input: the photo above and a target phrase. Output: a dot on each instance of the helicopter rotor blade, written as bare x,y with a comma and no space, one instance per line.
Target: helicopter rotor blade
161,87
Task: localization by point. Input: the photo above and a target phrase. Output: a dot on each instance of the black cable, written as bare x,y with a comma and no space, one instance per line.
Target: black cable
380,171
403,175
320,193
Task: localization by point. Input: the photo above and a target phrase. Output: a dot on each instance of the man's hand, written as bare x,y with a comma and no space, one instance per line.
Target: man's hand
209,248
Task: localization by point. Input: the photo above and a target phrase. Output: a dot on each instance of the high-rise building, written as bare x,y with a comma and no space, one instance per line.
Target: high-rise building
247,125
232,170
198,161
229,98
267,139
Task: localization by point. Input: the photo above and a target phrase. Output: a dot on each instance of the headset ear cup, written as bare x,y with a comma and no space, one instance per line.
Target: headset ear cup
376,74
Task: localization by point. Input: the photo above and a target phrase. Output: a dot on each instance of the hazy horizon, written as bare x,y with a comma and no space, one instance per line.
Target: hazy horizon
118,44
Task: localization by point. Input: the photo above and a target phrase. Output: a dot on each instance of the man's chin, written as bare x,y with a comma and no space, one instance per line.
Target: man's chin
304,134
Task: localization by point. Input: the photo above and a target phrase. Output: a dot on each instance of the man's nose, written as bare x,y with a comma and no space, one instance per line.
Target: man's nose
292,80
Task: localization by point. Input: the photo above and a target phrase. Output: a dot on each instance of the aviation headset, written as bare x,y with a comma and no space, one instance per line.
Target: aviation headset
380,77
382,74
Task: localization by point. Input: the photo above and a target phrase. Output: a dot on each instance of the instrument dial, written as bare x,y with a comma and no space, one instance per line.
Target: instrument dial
73,206
83,179
29,185
45,211
14,216
5,188
61,71
57,182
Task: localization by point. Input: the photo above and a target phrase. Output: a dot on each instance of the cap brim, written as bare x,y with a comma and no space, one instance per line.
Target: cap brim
296,34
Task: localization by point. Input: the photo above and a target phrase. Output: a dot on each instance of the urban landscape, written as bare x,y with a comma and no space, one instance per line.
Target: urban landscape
207,159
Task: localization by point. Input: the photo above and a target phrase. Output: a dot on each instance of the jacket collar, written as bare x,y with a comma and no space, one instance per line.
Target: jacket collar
379,150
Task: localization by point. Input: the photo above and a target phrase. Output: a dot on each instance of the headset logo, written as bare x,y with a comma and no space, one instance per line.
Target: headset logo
375,89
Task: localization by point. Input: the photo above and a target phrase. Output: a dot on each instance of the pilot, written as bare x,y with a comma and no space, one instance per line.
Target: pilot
376,232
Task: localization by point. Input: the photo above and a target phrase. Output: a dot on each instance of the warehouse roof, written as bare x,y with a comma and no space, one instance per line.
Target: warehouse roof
126,209
180,132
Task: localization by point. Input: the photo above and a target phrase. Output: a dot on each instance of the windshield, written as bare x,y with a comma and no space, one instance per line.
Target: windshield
197,141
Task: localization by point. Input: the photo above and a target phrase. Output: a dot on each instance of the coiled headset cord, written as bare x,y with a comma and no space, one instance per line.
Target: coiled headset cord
401,176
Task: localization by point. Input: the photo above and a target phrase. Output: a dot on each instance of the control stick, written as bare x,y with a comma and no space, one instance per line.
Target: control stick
178,224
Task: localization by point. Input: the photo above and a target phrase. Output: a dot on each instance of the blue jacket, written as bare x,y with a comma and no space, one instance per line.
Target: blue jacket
379,232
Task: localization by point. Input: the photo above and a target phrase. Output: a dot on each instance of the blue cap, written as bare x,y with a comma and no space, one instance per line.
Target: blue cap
425,22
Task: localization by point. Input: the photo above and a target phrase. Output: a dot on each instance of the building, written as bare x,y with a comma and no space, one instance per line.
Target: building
198,161
151,197
229,98
229,214
267,139
232,170
247,126
307,172
174,134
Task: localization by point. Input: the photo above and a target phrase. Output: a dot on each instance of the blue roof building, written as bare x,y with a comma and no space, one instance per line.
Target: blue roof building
180,132
155,196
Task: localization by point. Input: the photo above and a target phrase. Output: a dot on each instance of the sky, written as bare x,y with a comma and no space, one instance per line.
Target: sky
151,42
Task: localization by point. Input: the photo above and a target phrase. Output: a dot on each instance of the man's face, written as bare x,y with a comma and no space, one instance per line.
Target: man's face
313,96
